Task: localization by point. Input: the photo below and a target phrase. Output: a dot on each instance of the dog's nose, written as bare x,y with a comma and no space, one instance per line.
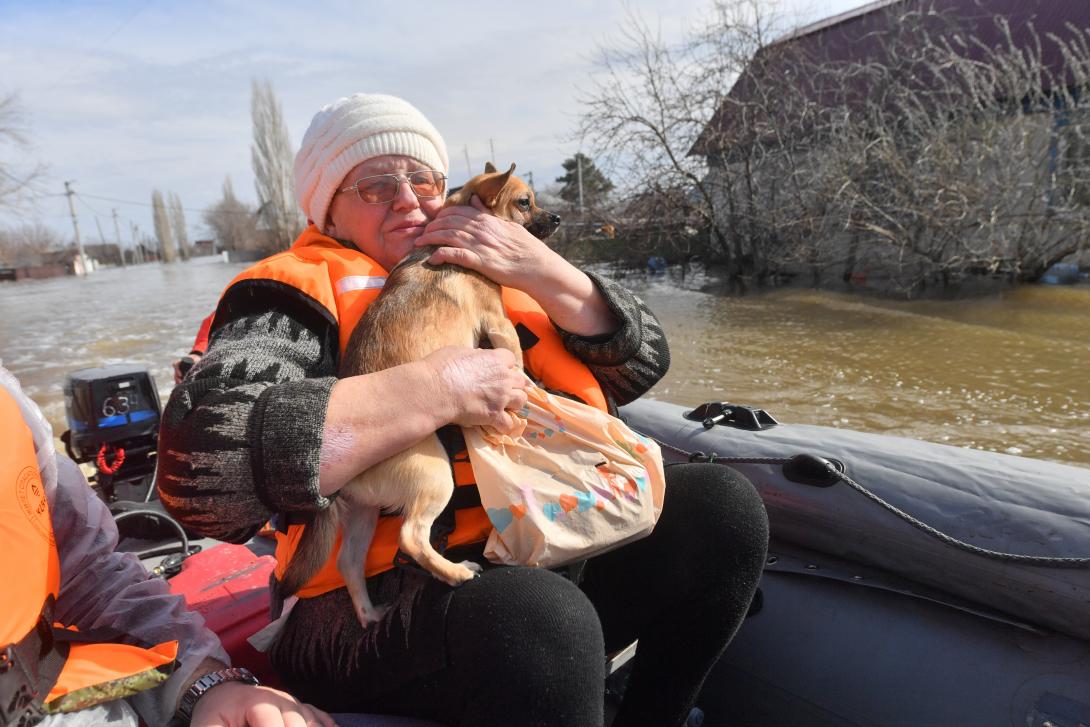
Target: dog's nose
554,218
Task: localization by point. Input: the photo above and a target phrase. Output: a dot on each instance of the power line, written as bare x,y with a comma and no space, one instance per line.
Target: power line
120,201
148,204
85,204
121,27
94,211
14,178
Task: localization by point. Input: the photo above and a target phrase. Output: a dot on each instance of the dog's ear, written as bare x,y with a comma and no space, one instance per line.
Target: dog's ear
489,168
489,189
461,197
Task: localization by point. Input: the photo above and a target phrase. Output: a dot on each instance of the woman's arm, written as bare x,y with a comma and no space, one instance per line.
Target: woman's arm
261,425
240,437
373,416
602,323
508,254
631,359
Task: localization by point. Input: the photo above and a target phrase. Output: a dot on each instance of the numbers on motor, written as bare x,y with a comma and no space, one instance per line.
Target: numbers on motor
114,405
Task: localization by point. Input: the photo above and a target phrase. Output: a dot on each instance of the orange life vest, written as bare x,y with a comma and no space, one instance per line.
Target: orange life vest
342,282
40,674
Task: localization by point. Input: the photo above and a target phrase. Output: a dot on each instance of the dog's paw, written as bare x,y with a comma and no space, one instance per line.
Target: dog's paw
372,615
467,571
474,569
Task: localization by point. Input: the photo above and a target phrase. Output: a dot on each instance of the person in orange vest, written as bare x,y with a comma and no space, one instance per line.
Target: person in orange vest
262,428
87,636
200,345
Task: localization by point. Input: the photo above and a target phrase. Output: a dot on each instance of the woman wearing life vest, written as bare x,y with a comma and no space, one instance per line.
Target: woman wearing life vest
87,637
261,428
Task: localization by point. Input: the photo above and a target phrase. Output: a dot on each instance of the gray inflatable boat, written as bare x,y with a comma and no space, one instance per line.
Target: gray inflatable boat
927,585
907,583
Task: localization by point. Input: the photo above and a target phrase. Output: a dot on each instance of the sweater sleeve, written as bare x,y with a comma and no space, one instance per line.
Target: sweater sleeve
632,359
241,435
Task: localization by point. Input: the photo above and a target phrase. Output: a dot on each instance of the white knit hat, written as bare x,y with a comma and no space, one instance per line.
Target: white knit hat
352,130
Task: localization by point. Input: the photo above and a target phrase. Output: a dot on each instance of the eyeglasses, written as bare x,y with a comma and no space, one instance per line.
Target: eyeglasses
382,188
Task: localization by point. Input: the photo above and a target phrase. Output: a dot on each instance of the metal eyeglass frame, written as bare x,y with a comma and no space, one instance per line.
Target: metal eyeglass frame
399,178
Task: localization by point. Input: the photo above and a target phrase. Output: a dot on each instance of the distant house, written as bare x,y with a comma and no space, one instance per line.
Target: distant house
204,247
33,271
42,264
790,144
873,34
105,253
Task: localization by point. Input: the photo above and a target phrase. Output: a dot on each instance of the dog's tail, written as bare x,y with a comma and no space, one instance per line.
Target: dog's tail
311,552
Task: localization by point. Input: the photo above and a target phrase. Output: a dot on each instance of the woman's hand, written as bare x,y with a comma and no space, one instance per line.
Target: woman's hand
374,416
479,386
235,704
179,373
502,251
507,254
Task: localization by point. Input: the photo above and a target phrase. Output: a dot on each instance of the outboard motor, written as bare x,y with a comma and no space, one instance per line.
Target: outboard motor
113,419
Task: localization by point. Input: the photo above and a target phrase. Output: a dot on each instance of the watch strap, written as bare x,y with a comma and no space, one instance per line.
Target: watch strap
200,687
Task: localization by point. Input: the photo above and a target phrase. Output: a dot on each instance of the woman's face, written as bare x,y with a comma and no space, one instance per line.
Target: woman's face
385,232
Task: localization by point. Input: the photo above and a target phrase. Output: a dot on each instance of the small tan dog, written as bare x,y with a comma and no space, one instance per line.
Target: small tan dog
422,308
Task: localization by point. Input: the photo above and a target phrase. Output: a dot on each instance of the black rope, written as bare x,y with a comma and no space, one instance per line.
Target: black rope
1044,561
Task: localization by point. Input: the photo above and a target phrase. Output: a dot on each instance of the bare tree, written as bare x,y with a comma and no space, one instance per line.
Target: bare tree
27,244
177,225
232,222
966,159
17,180
923,154
649,103
163,233
272,162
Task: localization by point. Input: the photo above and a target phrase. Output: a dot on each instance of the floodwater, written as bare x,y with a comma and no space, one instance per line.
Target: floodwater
1007,373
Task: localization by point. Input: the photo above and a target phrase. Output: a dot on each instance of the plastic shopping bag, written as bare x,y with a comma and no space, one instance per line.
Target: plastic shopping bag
577,482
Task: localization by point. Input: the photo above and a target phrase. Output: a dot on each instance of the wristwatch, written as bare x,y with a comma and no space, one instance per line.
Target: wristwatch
209,680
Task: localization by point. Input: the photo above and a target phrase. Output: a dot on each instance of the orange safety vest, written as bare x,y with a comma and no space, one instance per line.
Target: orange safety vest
341,282
39,673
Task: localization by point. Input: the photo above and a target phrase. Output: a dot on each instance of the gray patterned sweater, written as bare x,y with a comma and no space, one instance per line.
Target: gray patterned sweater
241,435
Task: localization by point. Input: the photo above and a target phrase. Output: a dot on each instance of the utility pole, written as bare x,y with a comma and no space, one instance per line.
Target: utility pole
530,180
101,237
492,150
469,167
579,176
117,234
75,224
143,249
138,252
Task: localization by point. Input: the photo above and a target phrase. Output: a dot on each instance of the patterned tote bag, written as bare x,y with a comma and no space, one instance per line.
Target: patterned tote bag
575,483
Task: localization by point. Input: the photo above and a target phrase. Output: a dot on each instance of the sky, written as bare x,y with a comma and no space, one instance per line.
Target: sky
120,97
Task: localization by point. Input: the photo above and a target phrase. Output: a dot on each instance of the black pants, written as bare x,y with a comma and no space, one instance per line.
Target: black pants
524,646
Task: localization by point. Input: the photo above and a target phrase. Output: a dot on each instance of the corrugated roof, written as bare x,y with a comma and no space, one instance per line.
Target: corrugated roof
860,35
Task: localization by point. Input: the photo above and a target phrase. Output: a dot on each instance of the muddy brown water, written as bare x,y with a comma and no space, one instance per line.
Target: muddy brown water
1008,373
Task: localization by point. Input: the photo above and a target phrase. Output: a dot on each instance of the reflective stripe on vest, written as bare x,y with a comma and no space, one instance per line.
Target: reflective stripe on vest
343,282
96,673
30,572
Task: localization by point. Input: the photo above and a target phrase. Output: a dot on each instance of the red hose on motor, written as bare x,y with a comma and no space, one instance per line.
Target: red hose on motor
100,460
